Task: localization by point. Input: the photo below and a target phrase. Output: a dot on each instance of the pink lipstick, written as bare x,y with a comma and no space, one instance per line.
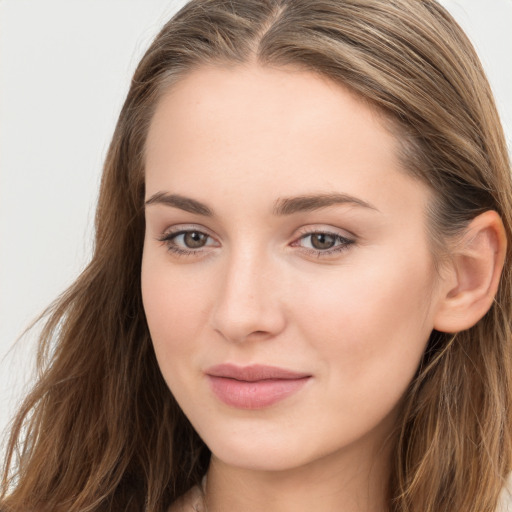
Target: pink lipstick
255,386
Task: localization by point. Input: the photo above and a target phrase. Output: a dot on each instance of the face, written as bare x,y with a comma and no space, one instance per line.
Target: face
287,276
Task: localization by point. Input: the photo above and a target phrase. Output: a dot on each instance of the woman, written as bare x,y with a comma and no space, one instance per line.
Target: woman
300,295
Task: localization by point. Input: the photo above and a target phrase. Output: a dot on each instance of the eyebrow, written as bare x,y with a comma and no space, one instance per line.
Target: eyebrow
290,205
183,203
283,206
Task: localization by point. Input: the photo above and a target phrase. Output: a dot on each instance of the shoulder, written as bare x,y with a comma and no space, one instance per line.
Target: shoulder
192,501
505,501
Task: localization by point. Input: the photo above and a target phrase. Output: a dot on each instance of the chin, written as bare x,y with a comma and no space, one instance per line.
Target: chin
258,458
258,452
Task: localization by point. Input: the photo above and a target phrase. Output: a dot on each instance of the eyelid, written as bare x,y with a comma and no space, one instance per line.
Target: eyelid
328,229
334,251
343,239
170,234
184,228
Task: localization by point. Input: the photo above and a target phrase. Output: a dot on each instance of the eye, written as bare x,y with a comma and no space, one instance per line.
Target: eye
187,241
323,243
191,239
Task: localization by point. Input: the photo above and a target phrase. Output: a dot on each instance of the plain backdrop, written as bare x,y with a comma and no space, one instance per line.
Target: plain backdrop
65,67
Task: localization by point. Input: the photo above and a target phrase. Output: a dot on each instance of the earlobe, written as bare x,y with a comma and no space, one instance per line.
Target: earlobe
476,264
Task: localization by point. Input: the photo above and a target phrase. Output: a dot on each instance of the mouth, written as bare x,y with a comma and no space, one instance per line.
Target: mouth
255,386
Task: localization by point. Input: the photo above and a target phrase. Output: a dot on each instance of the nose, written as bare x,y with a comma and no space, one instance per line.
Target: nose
249,305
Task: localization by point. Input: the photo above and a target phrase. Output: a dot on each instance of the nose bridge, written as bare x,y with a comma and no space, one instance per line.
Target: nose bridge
248,298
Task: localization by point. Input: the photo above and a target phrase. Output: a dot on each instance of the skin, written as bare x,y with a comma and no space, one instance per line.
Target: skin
239,141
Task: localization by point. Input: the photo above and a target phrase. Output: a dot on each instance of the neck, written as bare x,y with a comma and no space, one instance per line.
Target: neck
355,479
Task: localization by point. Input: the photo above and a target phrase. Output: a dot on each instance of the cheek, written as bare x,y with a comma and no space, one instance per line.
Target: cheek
175,307
371,321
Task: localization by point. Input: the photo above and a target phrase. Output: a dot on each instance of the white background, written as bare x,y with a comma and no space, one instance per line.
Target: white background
65,67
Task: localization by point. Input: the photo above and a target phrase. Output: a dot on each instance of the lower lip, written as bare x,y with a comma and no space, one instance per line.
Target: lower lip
254,395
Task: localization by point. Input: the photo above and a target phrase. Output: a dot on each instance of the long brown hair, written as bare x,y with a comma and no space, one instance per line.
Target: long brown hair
100,430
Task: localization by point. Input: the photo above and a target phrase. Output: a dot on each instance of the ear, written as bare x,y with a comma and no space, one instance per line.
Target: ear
471,282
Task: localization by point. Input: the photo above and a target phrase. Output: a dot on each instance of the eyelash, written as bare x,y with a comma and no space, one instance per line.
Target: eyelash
343,243
169,240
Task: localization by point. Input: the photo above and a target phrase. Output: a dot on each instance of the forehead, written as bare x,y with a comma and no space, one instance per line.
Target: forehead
250,104
269,130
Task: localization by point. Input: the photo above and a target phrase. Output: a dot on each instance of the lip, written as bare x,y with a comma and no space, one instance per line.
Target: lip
255,386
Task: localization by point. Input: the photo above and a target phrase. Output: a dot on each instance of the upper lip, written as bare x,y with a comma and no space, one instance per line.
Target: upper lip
253,372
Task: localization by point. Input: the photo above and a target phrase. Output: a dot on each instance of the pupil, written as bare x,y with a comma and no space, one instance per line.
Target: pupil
194,239
322,241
